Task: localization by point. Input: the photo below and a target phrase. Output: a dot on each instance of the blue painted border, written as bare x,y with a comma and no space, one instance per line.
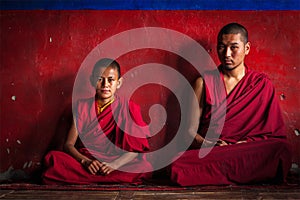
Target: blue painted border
150,4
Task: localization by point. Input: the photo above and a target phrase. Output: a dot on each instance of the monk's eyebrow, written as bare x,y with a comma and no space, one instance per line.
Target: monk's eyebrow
105,77
233,43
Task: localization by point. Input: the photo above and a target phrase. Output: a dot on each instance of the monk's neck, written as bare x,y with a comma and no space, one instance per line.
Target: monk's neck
232,77
236,74
103,102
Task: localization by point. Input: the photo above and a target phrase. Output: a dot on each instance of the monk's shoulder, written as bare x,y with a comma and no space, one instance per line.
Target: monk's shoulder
83,103
253,74
210,76
133,106
260,79
85,100
124,103
211,73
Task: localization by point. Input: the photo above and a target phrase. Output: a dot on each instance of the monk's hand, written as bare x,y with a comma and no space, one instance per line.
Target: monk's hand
93,166
199,141
207,143
107,168
221,143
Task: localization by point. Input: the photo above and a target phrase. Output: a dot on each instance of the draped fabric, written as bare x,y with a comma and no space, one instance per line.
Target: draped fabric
264,161
250,112
252,109
105,136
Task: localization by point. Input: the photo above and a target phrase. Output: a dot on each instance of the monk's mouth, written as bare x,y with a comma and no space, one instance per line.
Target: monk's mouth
103,91
228,62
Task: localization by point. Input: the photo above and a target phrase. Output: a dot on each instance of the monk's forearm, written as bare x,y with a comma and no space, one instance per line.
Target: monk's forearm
124,159
72,151
193,120
195,112
199,139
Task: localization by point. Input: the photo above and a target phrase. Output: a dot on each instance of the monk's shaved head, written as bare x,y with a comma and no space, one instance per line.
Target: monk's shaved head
234,28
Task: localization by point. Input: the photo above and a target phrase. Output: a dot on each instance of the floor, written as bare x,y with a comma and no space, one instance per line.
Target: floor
152,190
192,193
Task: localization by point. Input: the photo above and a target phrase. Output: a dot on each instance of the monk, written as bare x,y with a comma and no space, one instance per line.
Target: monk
249,145
97,148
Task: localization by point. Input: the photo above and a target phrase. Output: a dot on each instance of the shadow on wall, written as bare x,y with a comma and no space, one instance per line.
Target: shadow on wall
63,126
50,123
174,107
63,119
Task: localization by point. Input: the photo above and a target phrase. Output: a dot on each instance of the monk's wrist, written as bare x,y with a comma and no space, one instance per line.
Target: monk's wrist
84,162
115,165
199,139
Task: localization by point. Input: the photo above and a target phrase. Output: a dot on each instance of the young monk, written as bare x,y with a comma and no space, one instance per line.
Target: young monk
251,140
97,150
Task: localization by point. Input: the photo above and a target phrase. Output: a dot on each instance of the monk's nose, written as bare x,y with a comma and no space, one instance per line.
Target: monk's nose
227,52
104,82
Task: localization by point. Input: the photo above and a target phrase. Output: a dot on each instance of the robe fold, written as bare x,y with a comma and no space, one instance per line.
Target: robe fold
250,113
118,129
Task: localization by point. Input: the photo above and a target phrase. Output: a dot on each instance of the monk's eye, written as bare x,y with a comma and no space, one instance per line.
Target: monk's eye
221,47
234,48
110,80
99,79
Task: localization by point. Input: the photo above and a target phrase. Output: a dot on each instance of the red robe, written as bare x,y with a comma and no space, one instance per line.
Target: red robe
102,137
253,115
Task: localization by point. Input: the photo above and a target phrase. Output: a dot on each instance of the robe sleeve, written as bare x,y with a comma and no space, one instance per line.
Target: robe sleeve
253,112
272,125
135,136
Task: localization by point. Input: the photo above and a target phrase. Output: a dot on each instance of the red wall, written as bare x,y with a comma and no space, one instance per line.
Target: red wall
41,52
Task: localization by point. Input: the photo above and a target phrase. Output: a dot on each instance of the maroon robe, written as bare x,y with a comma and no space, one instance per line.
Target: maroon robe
102,137
253,115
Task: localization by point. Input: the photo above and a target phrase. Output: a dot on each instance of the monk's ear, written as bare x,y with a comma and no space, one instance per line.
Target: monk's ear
120,82
92,80
247,48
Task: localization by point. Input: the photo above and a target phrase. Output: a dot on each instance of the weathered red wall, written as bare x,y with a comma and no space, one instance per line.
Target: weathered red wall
41,52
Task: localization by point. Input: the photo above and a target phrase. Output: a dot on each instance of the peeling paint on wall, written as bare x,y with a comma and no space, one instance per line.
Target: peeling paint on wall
29,164
282,97
297,132
25,165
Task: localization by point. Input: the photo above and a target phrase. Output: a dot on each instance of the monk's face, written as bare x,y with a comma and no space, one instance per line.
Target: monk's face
107,82
232,51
